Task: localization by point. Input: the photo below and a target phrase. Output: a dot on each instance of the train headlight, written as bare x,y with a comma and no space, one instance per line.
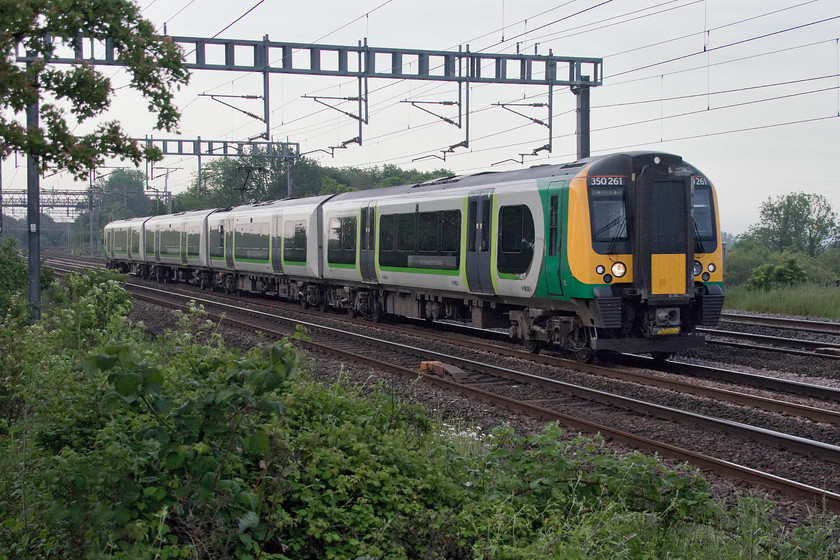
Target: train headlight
706,277
618,269
600,269
698,268
712,267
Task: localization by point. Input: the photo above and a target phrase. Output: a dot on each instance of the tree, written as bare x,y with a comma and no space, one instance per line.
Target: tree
42,29
123,195
799,222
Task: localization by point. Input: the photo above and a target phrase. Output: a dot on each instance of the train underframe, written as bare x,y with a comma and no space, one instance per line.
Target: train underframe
660,327
583,328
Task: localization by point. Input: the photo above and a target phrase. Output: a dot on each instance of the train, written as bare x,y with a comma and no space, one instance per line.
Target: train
612,253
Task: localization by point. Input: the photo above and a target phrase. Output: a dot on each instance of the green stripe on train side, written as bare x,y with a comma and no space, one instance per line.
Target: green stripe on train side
437,271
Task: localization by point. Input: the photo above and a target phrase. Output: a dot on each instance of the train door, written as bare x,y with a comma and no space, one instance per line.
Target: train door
183,243
367,243
229,242
157,243
479,228
665,252
277,243
554,238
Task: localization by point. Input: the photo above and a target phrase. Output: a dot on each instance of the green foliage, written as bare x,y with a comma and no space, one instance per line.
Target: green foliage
805,299
123,195
156,66
799,222
123,447
546,494
92,305
225,178
788,273
14,279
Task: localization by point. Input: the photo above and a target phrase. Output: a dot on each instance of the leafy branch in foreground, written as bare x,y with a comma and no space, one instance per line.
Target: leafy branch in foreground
39,28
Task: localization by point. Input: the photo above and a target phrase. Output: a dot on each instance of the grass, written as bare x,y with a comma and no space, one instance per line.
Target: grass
805,300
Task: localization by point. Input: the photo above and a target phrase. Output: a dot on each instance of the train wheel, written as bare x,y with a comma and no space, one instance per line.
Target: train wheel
577,344
585,355
532,345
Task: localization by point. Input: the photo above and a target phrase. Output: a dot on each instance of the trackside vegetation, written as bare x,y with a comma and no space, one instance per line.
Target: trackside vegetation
115,444
788,262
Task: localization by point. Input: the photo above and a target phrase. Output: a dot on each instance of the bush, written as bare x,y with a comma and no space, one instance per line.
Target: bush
183,448
788,273
14,280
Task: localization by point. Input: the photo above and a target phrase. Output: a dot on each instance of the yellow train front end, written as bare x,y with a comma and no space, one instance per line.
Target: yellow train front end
644,254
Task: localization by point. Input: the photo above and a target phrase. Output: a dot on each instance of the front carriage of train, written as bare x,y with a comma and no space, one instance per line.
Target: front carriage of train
633,262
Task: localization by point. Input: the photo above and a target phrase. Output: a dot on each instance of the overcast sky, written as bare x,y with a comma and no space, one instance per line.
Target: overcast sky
747,91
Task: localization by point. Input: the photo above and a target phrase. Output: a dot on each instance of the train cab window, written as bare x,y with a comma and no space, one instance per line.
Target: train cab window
516,239
341,245
294,242
609,219
705,239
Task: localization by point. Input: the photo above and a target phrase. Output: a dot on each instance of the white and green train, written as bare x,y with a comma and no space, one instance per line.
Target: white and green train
619,252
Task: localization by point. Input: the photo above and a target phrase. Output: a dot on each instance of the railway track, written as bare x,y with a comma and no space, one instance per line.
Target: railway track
546,398
791,335
499,385
792,323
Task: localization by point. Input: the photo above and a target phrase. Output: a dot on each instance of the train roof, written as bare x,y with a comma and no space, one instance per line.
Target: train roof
486,178
282,203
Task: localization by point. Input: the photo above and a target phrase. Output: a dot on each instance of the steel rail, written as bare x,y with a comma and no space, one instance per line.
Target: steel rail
735,397
806,325
830,500
800,388
805,446
772,405
775,340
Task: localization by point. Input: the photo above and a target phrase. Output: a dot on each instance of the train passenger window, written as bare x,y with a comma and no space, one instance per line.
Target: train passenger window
705,239
294,242
421,240
450,231
341,245
516,239
406,232
428,232
386,233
